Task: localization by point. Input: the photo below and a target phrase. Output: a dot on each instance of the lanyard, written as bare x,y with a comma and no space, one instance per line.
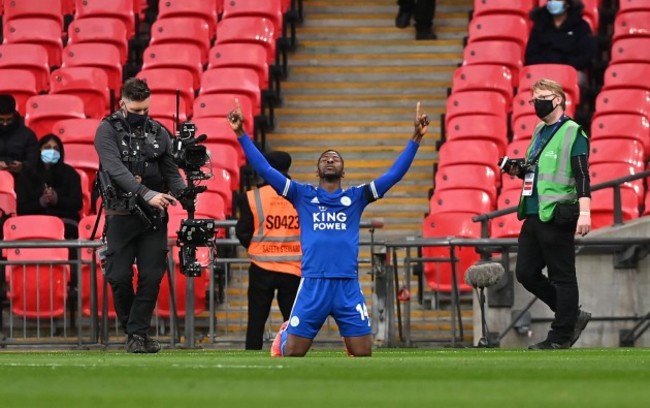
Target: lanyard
538,146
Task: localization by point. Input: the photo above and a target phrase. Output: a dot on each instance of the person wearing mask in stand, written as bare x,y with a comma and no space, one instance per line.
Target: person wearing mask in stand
555,205
51,188
561,36
135,157
18,144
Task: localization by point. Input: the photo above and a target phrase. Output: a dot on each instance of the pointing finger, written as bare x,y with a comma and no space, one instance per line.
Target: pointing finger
417,111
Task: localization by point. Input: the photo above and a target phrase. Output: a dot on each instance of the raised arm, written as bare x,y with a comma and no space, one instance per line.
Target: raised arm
403,162
277,180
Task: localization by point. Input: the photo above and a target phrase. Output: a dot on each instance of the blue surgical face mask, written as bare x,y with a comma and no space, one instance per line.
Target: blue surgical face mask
555,7
50,156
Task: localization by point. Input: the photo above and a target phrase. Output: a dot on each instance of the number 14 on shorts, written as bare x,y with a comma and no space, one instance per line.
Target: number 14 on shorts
363,312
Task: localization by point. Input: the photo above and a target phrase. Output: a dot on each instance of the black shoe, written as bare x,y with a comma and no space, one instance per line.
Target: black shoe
403,19
549,345
425,35
151,345
581,323
136,344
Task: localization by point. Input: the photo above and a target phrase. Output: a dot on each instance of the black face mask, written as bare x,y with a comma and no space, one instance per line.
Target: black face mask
135,120
544,107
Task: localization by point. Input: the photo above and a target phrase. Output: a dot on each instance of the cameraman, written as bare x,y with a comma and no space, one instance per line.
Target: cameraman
135,152
555,205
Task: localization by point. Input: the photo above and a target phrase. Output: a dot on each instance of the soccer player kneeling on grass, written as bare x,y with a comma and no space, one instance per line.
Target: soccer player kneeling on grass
329,236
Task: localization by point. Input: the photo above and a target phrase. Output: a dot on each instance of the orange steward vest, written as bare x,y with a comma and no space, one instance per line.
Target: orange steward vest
276,240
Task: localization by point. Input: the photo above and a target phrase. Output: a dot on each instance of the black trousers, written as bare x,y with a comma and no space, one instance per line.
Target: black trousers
543,244
262,285
129,241
422,10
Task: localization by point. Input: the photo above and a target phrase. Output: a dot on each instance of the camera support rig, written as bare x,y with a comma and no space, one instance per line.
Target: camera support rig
193,233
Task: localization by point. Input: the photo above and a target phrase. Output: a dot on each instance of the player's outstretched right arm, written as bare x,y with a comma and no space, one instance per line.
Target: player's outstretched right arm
277,180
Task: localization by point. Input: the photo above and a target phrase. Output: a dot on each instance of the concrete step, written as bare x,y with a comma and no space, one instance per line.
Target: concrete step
374,33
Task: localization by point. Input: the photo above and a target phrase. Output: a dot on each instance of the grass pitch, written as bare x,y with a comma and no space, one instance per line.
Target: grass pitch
391,378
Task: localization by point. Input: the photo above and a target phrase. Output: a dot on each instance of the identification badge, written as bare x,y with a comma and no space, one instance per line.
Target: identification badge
529,179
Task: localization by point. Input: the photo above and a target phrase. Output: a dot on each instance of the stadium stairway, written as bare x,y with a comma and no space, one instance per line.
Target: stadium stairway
353,85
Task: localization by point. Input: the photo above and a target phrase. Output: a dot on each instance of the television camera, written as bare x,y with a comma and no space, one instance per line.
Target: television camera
190,155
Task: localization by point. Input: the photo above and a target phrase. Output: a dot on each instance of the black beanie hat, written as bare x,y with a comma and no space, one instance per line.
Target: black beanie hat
279,160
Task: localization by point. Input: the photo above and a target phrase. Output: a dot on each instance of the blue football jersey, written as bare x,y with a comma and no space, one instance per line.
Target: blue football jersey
329,228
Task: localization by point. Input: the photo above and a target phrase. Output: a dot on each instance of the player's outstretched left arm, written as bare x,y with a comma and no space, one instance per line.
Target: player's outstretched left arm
382,184
276,179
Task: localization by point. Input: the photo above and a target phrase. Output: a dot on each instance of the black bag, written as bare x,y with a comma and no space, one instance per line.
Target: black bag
566,215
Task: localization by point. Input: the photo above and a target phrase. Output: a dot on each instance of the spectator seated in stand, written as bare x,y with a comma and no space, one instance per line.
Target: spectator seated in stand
51,188
18,144
561,36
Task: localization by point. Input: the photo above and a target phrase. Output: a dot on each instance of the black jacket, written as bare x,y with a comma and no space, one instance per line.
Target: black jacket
64,179
572,43
19,143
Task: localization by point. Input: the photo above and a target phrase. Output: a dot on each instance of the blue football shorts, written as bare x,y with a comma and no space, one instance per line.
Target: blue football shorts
318,298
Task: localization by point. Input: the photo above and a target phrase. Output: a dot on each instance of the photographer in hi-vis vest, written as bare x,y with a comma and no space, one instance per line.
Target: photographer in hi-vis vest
268,227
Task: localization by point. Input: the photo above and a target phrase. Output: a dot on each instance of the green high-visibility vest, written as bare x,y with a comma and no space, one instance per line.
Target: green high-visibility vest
555,181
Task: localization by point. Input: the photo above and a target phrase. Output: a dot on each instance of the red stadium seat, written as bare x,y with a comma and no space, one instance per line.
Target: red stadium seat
67,7
7,193
631,50
90,84
270,9
507,226
86,188
100,30
186,31
501,7
206,10
28,57
166,81
475,103
627,76
45,9
175,56
36,290
516,150
76,130
524,126
479,127
103,56
615,150
502,27
82,156
233,80
86,225
483,152
602,172
463,176
210,205
225,157
120,9
636,101
44,32
219,105
602,207
42,111
633,24
500,53
627,6
163,306
21,84
249,30
241,56
219,131
484,78
460,200
622,126
458,225
220,183
565,75
163,109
